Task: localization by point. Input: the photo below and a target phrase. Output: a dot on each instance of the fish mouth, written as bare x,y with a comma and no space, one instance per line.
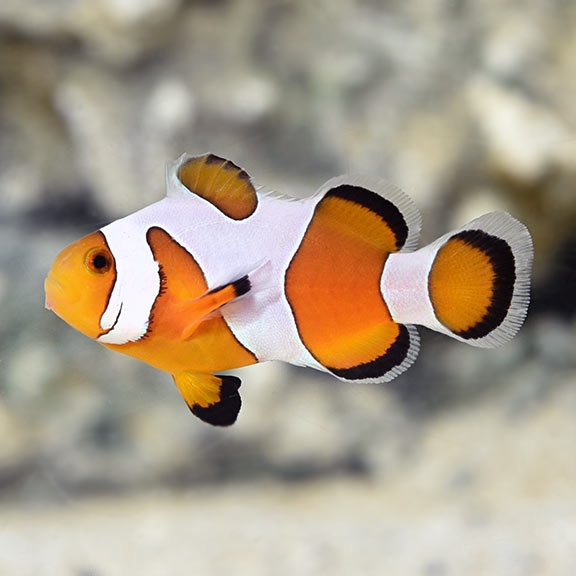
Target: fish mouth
52,289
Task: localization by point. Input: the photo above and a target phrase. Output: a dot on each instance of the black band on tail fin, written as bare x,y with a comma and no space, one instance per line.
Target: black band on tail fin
502,261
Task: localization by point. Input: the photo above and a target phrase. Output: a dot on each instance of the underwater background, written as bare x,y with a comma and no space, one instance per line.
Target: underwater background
466,464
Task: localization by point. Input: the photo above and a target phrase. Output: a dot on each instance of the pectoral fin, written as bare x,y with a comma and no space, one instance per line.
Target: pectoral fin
214,399
206,305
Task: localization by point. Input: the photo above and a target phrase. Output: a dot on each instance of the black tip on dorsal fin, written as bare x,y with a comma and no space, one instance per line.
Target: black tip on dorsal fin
225,411
211,158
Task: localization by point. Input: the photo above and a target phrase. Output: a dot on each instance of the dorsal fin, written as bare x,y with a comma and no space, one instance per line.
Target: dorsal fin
374,209
218,181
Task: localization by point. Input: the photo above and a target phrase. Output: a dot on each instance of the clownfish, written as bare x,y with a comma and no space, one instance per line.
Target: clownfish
221,274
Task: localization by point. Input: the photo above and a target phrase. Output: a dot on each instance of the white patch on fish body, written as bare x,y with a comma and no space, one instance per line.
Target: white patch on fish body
137,284
404,287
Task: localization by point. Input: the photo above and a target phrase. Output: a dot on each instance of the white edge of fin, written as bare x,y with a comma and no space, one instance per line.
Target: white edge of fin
175,188
411,355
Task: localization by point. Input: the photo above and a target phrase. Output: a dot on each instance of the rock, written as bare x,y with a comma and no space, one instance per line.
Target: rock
522,136
467,106
119,32
18,449
476,202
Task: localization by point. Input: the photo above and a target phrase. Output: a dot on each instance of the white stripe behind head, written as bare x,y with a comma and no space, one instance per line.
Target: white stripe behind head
137,284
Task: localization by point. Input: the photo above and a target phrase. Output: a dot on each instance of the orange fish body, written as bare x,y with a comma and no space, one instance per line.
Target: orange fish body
219,275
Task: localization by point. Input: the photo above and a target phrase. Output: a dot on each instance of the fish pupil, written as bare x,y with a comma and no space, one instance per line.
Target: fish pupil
100,262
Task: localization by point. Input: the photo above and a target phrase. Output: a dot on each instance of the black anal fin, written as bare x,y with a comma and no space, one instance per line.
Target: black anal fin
212,398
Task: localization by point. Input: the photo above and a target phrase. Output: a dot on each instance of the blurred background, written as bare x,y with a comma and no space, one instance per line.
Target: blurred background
466,464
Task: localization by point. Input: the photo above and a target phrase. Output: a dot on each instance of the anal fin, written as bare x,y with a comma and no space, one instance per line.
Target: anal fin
212,398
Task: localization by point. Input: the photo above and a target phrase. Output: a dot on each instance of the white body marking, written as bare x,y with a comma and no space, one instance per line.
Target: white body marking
136,287
404,286
225,249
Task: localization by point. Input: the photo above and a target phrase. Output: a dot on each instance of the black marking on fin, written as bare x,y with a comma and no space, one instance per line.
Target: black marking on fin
387,210
504,265
241,286
225,411
214,159
376,368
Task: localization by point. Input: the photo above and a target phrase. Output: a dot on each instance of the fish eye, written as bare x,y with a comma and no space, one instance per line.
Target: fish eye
98,261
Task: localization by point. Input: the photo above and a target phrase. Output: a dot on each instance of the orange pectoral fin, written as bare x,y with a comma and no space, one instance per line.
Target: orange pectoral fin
213,399
197,310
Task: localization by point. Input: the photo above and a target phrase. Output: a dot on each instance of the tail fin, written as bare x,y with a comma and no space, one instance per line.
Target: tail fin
472,284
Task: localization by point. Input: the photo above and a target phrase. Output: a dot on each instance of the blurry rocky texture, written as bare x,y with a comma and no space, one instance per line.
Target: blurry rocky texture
469,106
